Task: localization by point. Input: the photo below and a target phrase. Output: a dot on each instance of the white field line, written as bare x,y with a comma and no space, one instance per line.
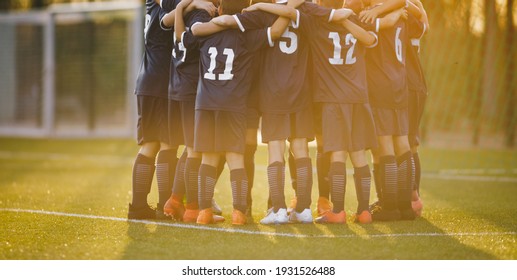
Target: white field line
251,232
480,175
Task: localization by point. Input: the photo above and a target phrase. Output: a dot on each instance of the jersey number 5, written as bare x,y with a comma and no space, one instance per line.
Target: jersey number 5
227,74
291,48
349,40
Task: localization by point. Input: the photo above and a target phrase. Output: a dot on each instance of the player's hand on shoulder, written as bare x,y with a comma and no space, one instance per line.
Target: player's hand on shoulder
368,16
254,7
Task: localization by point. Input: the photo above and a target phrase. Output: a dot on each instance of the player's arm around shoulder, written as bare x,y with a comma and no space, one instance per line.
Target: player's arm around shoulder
368,39
369,16
390,19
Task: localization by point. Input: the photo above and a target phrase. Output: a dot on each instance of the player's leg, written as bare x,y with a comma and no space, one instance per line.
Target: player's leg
207,180
276,182
301,131
322,171
174,205
416,109
337,181
388,179
275,130
302,212
239,184
166,160
291,163
148,138
362,180
405,165
249,166
322,162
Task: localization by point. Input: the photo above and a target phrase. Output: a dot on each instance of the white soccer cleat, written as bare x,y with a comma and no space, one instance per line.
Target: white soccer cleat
280,217
304,217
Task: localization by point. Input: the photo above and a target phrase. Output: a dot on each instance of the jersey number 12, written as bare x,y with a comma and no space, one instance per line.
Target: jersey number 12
349,40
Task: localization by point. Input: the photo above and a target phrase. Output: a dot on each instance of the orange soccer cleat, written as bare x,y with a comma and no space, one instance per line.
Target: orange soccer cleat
417,207
330,217
174,208
191,213
206,216
324,205
238,218
364,218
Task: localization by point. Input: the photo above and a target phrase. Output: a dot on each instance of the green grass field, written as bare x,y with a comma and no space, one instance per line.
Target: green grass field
67,199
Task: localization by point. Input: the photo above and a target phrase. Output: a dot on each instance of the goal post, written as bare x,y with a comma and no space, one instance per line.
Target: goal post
70,70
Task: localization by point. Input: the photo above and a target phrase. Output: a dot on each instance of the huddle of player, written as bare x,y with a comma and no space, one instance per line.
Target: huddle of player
343,76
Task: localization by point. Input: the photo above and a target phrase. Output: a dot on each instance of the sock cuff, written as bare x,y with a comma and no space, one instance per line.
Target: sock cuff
193,161
276,164
387,159
362,171
165,156
303,161
238,173
141,159
405,156
337,167
208,170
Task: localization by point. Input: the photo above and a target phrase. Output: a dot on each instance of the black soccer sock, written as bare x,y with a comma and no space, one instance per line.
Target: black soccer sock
143,171
404,180
418,172
207,181
362,180
239,181
249,165
388,178
322,169
191,180
377,180
337,179
178,187
292,172
165,168
276,180
304,183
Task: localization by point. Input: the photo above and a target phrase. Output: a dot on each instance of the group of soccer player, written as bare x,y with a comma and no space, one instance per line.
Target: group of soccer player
345,74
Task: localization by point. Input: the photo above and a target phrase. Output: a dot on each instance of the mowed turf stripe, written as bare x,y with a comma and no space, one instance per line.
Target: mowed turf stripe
242,231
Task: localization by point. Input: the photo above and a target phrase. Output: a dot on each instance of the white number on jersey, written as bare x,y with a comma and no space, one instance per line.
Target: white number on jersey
349,40
293,45
336,60
228,67
398,44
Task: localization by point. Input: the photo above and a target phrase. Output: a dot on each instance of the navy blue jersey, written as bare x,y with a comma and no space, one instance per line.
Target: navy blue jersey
225,60
185,62
284,86
169,5
415,74
386,68
339,64
153,78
